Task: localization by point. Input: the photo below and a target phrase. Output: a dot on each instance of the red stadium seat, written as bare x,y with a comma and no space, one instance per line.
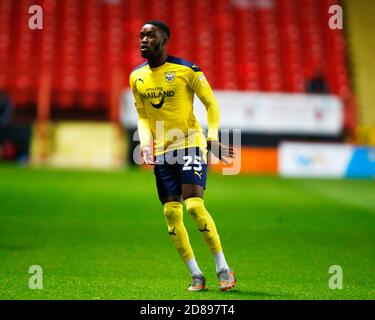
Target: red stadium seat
84,43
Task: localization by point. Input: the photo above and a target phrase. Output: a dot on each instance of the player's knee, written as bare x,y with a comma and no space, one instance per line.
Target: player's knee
173,211
194,212
195,207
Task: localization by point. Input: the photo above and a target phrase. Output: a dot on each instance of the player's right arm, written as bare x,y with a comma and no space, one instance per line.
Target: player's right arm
144,131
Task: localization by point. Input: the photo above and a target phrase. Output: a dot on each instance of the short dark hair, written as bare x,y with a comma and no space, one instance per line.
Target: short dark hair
160,24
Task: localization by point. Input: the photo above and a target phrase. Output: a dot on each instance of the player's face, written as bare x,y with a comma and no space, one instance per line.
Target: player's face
152,41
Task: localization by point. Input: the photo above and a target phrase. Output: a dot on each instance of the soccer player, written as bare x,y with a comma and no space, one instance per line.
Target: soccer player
173,141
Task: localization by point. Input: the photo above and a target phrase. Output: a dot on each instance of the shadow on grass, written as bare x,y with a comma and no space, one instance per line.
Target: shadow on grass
257,294
239,294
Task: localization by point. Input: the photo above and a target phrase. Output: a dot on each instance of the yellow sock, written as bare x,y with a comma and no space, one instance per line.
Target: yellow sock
206,225
173,214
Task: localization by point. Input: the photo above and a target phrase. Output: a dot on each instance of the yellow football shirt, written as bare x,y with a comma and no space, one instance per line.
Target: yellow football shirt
164,102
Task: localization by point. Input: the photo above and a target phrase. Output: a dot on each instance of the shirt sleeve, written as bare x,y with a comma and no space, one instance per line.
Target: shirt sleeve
144,131
199,84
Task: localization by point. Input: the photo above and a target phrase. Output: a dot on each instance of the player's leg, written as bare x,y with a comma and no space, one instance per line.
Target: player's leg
193,178
193,171
169,191
173,213
193,195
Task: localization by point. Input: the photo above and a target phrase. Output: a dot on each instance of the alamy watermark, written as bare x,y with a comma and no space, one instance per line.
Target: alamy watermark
336,21
336,280
36,20
36,280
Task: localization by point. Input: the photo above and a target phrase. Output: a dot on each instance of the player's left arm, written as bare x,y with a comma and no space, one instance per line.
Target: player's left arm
202,89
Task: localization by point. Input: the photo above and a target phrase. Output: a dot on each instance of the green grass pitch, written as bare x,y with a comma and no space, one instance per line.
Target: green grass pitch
102,235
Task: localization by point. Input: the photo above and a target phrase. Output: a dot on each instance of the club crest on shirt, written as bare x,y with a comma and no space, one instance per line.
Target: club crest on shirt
170,76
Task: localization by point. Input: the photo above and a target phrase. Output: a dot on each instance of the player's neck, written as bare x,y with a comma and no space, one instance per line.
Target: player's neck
155,62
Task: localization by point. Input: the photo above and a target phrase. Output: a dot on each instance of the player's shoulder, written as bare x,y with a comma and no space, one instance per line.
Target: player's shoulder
139,68
183,62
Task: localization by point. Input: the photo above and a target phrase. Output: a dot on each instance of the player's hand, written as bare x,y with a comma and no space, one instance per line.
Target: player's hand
147,156
221,151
